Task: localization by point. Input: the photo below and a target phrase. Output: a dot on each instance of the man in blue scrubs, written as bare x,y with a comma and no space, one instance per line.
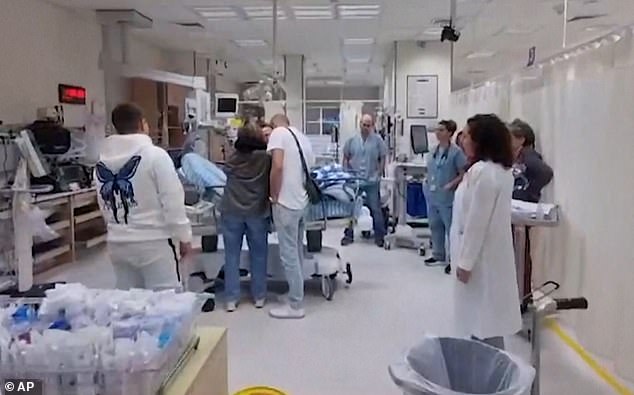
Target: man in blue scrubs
445,169
365,154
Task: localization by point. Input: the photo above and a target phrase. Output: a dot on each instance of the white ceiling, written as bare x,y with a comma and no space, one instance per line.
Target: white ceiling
506,29
503,28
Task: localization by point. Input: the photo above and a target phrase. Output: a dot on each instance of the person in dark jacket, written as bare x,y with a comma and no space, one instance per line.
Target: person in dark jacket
246,211
531,173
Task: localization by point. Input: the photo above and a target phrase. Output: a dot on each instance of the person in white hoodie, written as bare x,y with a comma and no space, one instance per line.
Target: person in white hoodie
142,201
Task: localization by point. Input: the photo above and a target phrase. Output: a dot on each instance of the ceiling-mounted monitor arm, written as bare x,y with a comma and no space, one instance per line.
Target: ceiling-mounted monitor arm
452,12
274,39
565,27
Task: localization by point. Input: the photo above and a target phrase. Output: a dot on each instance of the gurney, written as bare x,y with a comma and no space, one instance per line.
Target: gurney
319,263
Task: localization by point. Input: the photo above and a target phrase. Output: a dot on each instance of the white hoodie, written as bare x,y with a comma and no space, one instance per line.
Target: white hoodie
139,192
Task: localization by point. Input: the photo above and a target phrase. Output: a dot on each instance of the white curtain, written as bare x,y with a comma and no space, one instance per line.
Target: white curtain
582,109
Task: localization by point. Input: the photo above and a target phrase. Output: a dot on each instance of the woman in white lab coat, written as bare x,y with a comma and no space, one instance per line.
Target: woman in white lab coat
486,302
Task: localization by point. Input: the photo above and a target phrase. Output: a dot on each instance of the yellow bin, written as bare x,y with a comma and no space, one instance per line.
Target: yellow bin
260,391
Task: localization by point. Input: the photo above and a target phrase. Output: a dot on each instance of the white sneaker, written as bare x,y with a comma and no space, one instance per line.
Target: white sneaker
231,307
260,303
287,312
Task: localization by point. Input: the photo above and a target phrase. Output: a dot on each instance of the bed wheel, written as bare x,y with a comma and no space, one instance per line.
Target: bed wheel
387,245
422,251
328,286
348,274
314,240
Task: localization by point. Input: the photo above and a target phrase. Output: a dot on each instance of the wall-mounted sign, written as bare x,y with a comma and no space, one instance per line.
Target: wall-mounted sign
422,96
69,94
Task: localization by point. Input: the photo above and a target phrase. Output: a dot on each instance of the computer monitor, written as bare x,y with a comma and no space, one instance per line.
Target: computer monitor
418,139
31,153
226,105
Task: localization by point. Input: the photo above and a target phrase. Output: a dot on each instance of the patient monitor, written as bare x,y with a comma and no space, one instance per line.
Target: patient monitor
418,140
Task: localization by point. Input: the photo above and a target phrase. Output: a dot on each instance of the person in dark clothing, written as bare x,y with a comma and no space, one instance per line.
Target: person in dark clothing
531,173
246,211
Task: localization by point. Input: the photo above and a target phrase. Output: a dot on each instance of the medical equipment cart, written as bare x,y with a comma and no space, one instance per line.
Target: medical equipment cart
407,234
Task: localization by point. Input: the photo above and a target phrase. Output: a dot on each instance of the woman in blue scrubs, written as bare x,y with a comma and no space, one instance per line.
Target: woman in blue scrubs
445,169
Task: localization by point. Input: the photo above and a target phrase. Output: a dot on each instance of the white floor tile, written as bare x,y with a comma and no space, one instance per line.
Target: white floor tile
343,347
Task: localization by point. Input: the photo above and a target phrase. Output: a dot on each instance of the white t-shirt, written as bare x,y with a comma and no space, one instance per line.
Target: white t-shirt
293,192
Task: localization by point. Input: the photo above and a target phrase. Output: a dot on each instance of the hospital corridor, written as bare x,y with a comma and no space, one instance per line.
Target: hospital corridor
316,197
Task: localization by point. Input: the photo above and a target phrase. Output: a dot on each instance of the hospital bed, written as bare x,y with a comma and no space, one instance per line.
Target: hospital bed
320,262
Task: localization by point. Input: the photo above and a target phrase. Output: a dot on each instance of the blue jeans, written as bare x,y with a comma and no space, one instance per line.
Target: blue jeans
440,224
373,202
234,229
289,225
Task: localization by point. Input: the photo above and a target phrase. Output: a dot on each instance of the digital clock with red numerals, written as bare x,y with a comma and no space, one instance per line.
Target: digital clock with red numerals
69,94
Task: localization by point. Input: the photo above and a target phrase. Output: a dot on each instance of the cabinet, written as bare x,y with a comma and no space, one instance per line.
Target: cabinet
77,219
164,107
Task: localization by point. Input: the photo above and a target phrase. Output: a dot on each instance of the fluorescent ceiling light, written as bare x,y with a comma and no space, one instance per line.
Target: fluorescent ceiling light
480,55
358,41
250,43
333,82
598,28
359,11
258,12
313,12
217,12
432,31
358,60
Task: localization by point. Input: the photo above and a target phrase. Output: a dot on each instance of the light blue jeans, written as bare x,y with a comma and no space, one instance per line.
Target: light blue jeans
256,229
439,224
289,225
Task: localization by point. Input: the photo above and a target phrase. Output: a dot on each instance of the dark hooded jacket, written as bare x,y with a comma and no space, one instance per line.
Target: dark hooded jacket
532,174
247,190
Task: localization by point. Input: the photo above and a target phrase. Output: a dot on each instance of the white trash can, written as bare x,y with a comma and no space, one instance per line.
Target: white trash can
448,366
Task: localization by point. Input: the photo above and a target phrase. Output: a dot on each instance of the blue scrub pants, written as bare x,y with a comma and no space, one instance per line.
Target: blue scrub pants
440,224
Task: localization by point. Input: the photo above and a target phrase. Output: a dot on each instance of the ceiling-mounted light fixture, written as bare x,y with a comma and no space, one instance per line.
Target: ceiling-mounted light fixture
250,43
432,31
358,41
480,55
217,13
358,11
262,12
313,12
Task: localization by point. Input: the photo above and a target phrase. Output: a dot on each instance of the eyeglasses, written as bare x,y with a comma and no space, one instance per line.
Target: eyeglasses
366,125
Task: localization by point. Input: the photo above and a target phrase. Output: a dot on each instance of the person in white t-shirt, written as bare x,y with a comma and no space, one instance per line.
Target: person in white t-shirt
287,145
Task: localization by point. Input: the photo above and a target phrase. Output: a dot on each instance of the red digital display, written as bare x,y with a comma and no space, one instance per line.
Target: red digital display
69,94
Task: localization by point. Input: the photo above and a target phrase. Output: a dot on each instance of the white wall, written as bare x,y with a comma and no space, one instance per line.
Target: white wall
434,59
183,63
42,46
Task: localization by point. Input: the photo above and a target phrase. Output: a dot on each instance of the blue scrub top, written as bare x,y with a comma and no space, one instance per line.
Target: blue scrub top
365,155
443,166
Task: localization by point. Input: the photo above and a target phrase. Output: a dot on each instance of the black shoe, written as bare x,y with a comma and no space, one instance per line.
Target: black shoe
448,269
346,241
433,262
380,243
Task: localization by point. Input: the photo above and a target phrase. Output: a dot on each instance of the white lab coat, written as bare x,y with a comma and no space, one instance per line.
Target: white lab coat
482,242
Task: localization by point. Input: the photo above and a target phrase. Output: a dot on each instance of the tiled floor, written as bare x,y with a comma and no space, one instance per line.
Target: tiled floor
343,347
